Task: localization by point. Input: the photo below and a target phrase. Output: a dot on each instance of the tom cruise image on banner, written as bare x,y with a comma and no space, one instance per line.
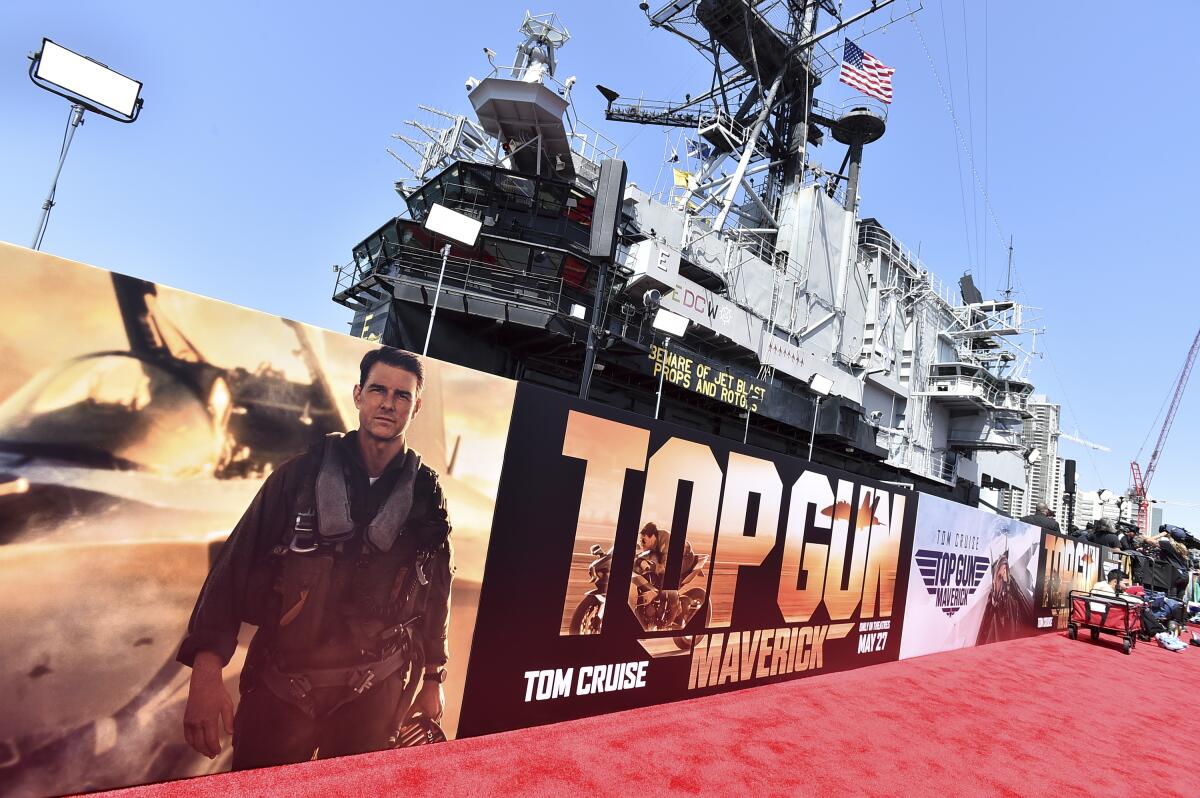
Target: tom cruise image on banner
972,580
634,562
162,452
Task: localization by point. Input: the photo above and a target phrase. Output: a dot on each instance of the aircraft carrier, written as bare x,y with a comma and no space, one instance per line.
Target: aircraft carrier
810,330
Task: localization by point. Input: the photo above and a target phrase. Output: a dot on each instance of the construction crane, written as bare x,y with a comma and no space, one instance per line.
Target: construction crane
1141,480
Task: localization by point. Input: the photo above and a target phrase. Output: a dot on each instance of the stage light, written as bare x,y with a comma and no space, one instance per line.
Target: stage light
670,323
820,385
90,86
452,224
89,83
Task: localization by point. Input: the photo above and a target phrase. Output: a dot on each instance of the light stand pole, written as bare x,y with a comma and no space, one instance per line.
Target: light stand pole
457,227
436,295
89,85
76,121
746,432
662,372
670,325
812,439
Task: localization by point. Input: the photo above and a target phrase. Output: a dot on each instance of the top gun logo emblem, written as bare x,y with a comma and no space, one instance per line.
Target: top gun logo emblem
950,578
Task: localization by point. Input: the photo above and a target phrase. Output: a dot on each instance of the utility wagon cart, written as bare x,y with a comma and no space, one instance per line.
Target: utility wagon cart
1101,612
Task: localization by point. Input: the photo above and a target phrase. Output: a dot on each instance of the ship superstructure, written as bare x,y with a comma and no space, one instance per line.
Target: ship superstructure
814,324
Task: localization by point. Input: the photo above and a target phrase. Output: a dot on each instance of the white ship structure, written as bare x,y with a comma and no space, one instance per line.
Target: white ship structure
818,326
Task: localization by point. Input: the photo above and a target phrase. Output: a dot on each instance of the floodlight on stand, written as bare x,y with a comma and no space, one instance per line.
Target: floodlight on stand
670,323
86,82
89,85
578,311
457,227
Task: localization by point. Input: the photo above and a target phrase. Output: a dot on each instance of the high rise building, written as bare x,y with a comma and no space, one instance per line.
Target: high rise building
1045,468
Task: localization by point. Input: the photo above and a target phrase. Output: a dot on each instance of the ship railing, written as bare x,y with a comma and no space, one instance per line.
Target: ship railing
590,144
663,112
529,74
586,141
716,121
833,188
874,237
415,265
989,435
983,388
963,385
942,466
758,241
856,103
903,453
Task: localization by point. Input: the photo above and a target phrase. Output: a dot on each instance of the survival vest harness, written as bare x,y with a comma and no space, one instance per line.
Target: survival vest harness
384,584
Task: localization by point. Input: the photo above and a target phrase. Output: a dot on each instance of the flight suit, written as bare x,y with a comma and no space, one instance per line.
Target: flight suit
364,607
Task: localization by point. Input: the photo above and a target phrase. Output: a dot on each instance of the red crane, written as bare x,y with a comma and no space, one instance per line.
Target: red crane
1141,481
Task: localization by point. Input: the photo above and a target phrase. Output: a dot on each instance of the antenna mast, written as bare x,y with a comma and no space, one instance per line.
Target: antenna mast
758,115
1008,290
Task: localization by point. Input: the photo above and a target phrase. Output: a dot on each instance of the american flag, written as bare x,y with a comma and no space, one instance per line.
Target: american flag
866,73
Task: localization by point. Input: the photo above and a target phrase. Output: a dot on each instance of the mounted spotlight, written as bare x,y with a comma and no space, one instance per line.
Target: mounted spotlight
670,323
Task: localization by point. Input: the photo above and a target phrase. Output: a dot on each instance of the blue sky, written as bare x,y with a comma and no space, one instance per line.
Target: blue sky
259,161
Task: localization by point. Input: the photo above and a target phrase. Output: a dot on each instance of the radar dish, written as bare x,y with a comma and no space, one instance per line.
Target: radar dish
546,27
970,294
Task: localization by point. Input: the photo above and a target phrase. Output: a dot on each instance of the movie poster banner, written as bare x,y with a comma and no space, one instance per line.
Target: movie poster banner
137,425
972,579
633,562
1065,564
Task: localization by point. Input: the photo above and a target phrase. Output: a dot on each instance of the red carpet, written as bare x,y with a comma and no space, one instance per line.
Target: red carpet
1040,716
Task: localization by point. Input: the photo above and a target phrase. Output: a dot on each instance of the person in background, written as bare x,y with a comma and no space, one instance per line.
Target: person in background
1043,516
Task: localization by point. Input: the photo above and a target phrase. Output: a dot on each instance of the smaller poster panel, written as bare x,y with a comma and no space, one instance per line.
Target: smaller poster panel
1065,564
972,579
